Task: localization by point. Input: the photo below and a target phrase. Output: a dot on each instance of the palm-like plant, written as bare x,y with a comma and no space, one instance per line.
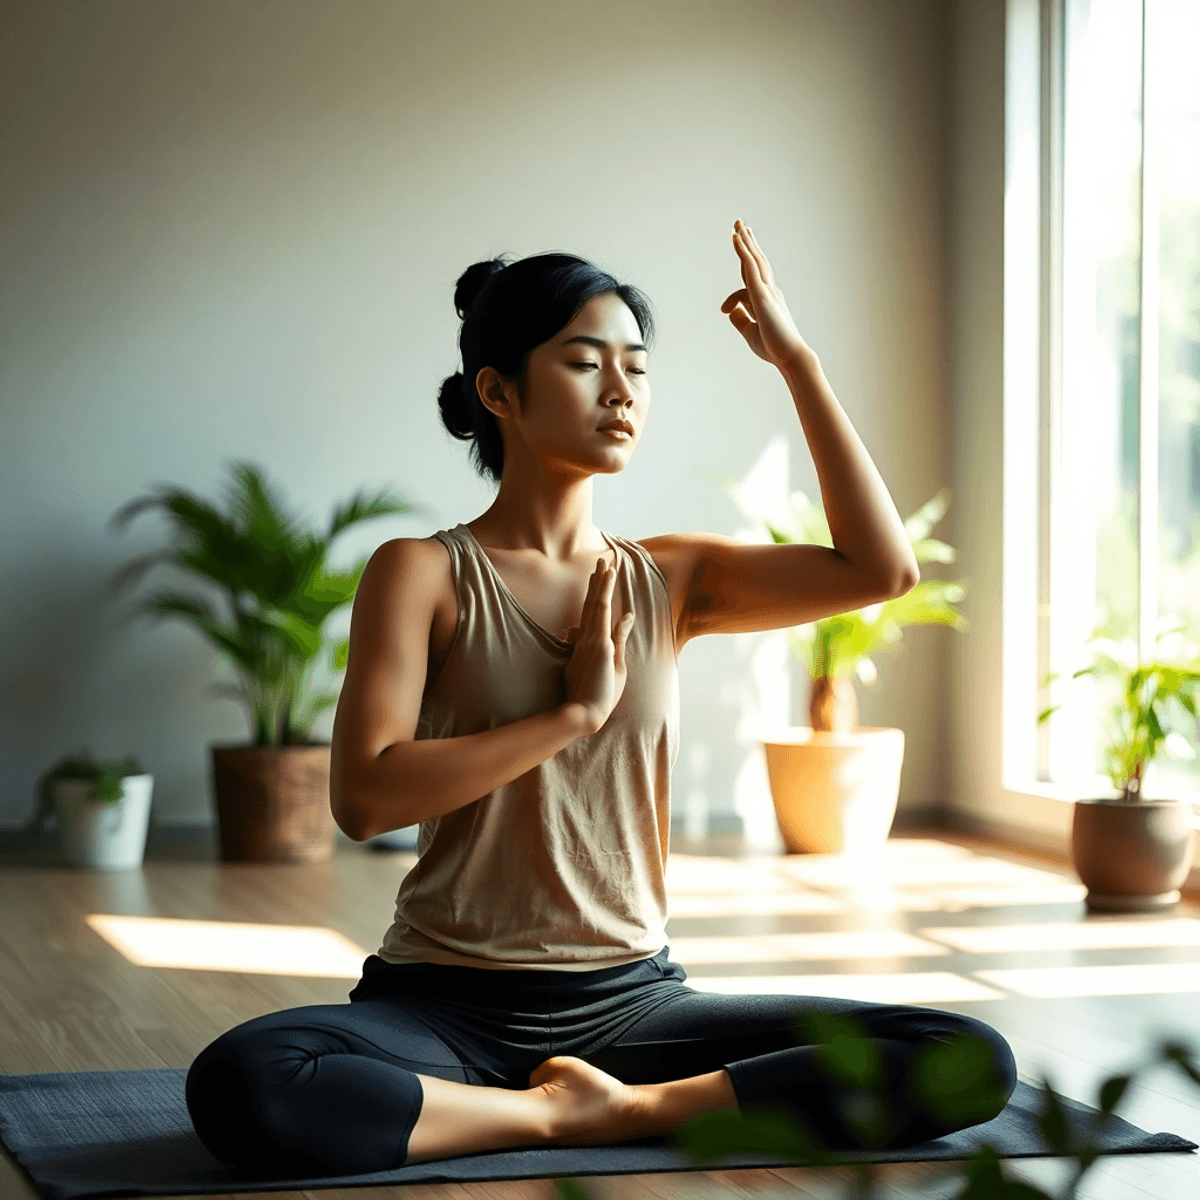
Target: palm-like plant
840,646
1139,731
278,587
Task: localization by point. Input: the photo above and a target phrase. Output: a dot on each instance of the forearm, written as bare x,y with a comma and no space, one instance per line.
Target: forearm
863,521
414,781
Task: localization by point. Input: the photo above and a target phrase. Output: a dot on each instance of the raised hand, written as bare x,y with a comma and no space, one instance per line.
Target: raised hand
758,311
595,673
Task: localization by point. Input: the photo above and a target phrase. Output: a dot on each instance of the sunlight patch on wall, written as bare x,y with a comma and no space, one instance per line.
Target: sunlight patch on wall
1131,980
231,946
932,987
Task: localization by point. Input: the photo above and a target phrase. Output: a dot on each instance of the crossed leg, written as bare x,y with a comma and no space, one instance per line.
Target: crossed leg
370,1086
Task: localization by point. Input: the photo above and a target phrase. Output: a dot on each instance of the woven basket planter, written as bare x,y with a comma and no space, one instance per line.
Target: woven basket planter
273,803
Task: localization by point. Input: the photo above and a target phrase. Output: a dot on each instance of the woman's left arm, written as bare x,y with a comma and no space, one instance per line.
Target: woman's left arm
867,531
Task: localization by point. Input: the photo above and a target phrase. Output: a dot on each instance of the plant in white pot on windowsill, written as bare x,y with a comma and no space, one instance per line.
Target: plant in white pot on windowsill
1133,851
834,783
102,809
278,592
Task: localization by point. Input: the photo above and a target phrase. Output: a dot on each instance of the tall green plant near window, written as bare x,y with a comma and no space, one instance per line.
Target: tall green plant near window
1140,720
279,592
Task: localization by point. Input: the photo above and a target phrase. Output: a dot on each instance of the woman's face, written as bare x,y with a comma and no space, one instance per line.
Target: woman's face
589,373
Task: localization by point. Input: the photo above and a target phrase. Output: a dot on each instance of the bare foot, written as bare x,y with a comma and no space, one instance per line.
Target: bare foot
588,1107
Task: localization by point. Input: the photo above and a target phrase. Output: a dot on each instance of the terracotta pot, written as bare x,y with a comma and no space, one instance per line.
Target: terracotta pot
835,792
1132,857
273,803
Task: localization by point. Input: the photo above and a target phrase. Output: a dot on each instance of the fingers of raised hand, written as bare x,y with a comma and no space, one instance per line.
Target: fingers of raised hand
751,253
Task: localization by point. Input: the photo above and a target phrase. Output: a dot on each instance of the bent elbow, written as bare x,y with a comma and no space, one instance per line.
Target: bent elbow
349,822
906,581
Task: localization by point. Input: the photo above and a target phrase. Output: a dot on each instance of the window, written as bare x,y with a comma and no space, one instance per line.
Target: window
1119,462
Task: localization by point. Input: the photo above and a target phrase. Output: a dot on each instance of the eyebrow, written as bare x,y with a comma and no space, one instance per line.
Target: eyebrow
599,343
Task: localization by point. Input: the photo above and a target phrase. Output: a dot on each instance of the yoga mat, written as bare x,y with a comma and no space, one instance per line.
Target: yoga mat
127,1133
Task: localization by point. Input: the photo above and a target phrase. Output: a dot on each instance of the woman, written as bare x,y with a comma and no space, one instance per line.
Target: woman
512,686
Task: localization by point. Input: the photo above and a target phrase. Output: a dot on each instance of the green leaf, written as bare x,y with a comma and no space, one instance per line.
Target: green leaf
931,550
714,1135
986,1181
1182,1056
1111,1092
341,654
1052,1121
362,508
1045,714
917,526
571,1189
957,1079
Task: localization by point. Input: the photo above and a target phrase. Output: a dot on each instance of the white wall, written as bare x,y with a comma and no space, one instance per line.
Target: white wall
232,231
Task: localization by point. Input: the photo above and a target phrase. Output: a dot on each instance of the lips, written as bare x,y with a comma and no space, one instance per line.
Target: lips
623,425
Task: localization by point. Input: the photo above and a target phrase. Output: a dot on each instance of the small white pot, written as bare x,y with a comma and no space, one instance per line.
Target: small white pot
108,836
835,793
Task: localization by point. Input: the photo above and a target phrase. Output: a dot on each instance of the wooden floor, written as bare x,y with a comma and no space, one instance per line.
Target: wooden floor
940,920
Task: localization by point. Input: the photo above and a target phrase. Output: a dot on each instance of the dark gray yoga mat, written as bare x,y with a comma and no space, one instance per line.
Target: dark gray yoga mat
127,1133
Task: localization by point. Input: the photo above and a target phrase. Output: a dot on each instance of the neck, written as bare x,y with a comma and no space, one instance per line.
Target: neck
550,516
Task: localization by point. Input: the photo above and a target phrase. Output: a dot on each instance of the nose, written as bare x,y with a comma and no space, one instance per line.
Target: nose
618,390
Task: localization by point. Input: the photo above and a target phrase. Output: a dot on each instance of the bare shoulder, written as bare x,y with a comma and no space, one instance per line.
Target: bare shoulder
409,559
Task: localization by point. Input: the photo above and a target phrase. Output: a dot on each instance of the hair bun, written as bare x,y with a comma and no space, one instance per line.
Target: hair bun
471,282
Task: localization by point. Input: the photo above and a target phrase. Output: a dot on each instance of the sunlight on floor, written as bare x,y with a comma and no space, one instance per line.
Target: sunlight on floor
797,947
231,946
959,899
933,987
752,904
1095,934
1138,979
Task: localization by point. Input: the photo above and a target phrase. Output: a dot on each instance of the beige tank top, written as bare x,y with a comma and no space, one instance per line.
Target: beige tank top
563,868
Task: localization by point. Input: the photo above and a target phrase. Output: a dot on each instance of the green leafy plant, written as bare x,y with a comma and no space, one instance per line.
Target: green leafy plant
840,646
278,587
106,775
1139,724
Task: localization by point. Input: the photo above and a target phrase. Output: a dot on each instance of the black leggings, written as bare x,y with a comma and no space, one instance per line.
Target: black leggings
333,1088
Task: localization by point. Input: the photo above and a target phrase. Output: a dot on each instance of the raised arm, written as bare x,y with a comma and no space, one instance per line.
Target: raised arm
733,587
868,533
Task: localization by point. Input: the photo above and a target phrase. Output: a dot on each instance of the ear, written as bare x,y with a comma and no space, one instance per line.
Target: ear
497,394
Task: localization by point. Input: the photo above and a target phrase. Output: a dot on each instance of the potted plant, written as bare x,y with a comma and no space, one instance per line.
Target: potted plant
1131,852
835,783
102,810
272,793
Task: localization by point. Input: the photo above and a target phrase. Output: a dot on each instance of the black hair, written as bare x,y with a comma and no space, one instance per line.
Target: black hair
507,308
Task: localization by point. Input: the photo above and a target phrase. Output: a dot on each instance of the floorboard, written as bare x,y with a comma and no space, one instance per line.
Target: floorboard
71,999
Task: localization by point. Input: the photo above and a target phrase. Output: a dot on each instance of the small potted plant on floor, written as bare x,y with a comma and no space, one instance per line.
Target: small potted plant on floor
834,783
272,793
1132,852
102,810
